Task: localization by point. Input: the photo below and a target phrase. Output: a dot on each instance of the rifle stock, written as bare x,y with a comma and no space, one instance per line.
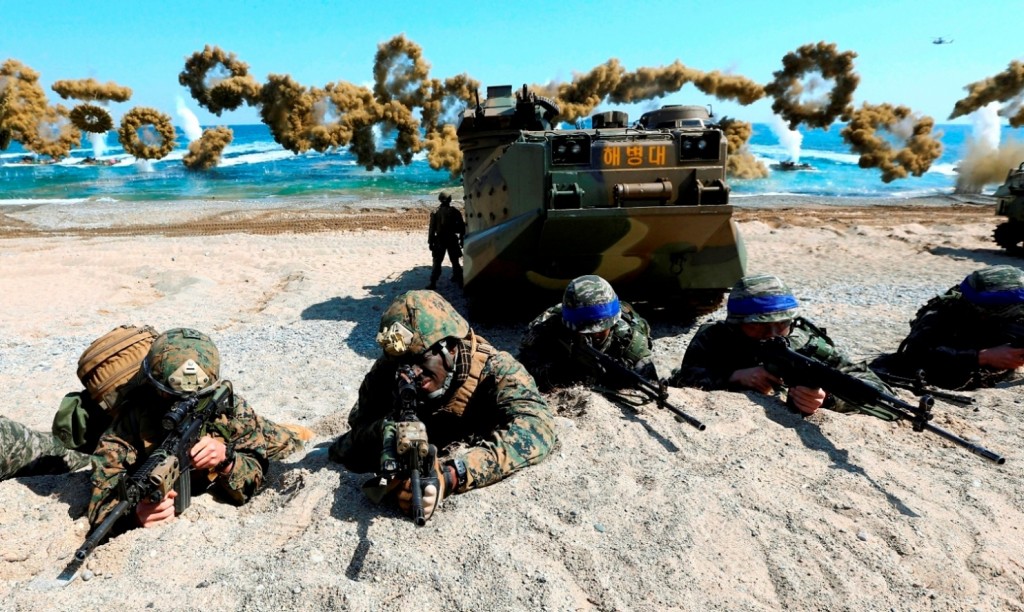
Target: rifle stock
169,466
797,369
654,390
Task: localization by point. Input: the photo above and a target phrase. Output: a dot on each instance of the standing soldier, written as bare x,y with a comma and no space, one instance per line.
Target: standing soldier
447,228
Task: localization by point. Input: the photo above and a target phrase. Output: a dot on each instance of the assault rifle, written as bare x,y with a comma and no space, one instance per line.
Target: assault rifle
798,369
655,390
169,466
917,386
405,448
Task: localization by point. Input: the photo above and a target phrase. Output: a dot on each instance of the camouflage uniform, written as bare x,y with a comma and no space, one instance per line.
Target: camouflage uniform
24,452
447,228
501,426
948,332
547,348
721,348
137,429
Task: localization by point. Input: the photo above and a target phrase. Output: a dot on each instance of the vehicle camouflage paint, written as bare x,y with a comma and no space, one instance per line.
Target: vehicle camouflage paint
644,206
1010,204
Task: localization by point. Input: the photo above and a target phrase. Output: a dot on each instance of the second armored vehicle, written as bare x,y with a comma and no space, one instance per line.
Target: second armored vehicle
1010,204
645,206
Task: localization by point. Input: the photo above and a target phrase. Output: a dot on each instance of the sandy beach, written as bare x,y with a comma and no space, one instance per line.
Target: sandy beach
633,511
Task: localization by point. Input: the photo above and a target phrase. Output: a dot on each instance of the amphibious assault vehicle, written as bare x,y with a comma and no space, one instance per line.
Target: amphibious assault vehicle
1010,204
645,206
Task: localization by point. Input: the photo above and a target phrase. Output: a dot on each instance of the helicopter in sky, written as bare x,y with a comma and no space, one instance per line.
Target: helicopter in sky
939,40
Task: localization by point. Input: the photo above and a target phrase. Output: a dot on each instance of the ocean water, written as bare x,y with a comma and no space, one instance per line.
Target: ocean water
256,167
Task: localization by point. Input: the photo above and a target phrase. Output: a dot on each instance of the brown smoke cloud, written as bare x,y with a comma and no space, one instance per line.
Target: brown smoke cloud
218,80
915,157
1003,87
54,134
161,138
91,118
91,90
793,94
610,80
741,163
22,102
342,114
982,165
205,152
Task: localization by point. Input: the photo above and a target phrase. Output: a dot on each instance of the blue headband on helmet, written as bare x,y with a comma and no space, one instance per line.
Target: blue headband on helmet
585,314
761,304
1004,297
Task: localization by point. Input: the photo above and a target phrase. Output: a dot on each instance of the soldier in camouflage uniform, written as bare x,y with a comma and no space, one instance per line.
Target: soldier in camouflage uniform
24,452
478,405
962,339
590,313
723,354
230,459
447,229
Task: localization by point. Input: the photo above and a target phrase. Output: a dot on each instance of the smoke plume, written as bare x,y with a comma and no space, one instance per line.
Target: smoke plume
1007,86
205,152
794,97
915,157
159,142
741,163
91,118
91,90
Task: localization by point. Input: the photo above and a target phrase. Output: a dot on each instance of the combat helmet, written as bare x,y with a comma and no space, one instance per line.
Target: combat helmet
444,197
589,305
416,321
761,298
182,362
994,286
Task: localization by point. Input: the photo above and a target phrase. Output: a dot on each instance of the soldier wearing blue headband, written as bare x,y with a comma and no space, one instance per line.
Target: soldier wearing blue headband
590,313
724,355
972,336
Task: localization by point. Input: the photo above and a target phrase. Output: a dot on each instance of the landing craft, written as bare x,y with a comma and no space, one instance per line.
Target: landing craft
941,41
645,206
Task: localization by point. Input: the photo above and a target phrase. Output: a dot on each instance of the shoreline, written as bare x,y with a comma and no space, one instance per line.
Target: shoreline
302,215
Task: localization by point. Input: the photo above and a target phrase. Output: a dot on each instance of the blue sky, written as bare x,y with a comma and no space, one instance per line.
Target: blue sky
144,45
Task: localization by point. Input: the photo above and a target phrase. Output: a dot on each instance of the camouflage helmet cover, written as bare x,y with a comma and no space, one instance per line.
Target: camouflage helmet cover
416,321
444,197
182,361
994,286
761,298
590,305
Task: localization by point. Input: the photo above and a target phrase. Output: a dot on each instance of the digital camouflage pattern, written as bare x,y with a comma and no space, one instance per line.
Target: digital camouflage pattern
24,452
766,297
718,349
505,426
174,348
546,350
417,320
648,210
137,431
948,332
583,297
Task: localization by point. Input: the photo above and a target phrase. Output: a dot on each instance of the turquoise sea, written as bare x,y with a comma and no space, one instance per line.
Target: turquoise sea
256,167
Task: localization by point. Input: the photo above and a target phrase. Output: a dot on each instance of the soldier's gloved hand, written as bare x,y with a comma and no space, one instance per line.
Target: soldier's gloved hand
430,245
432,485
756,378
151,515
805,399
1003,357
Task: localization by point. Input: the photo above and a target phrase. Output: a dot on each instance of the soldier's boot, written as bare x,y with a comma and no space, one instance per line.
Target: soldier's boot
284,439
